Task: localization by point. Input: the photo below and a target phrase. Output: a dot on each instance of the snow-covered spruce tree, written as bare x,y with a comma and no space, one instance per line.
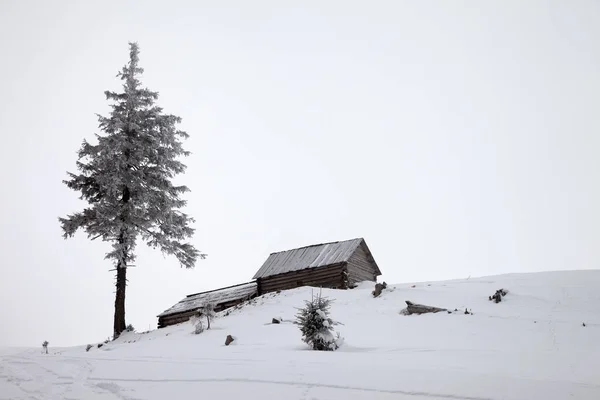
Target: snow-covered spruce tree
316,325
126,179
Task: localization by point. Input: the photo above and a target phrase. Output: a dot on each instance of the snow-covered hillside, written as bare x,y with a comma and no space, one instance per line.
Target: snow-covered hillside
532,345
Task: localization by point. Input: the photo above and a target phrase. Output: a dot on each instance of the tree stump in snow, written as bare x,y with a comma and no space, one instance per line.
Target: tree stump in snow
379,288
228,340
412,308
276,321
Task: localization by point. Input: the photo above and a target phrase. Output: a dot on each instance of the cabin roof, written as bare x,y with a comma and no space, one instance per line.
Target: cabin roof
317,255
217,296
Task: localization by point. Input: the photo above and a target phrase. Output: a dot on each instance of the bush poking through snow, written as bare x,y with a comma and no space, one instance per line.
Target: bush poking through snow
207,311
497,297
88,347
199,328
45,346
129,328
316,325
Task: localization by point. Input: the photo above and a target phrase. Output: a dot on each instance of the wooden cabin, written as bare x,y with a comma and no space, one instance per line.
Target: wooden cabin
221,298
335,265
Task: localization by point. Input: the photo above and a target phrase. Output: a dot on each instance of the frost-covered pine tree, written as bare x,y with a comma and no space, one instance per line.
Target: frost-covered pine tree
126,180
316,325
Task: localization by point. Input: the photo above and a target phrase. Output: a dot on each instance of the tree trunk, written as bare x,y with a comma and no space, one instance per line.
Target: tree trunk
119,322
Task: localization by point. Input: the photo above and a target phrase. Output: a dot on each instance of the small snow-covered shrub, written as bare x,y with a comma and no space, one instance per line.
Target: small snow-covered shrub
316,325
199,327
88,347
45,346
129,328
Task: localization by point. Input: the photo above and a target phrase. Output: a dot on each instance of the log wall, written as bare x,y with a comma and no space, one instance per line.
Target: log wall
329,276
360,267
178,318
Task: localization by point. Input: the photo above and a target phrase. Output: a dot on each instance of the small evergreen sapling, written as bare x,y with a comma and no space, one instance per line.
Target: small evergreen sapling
316,325
208,311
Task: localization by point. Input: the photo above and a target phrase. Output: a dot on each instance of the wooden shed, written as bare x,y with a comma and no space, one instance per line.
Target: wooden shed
336,265
221,298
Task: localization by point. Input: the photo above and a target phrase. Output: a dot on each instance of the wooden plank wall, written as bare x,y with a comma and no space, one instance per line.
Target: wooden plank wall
184,316
173,319
328,276
360,268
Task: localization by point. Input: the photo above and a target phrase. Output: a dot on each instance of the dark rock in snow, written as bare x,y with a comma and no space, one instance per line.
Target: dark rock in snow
379,288
276,321
228,340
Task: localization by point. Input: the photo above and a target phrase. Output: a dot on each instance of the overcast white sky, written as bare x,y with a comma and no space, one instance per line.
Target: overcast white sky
458,138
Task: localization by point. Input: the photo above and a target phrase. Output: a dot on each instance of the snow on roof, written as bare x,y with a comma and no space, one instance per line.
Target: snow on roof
308,257
218,296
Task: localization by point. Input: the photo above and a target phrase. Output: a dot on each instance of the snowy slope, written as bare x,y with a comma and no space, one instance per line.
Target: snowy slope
532,345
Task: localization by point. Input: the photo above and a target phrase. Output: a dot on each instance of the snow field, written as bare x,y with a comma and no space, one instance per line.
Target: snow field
531,345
